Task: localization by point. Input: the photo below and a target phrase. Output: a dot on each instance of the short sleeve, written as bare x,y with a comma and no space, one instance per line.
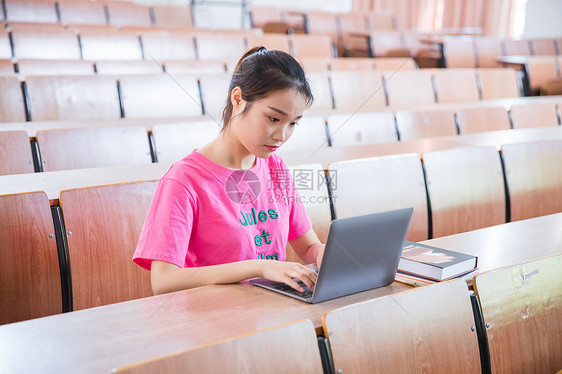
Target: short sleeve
167,229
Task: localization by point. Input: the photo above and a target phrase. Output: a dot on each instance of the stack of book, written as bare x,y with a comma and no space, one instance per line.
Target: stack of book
422,264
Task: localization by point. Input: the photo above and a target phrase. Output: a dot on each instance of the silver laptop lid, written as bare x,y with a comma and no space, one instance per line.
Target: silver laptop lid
361,253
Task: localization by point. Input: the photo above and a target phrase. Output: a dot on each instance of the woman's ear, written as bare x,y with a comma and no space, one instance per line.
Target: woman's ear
236,99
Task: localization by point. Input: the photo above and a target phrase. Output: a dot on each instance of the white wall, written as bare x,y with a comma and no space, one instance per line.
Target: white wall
543,19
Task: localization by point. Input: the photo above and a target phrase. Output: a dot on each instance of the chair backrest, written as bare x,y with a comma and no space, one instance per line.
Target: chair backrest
382,20
352,22
362,128
73,98
44,41
220,45
534,178
270,41
355,90
91,147
310,182
538,114
127,13
103,225
466,189
108,44
176,140
384,42
414,124
372,185
482,119
30,284
173,16
498,83
160,95
352,64
512,47
38,11
15,153
408,88
523,303
27,67
259,16
310,134
313,64
82,12
459,51
214,92
540,70
12,107
128,67
168,45
5,47
195,67
288,348
306,46
489,49
456,85
323,23
546,47
429,327
320,86
395,63
7,67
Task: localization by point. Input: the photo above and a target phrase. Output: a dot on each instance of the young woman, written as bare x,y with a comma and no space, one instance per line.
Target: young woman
225,212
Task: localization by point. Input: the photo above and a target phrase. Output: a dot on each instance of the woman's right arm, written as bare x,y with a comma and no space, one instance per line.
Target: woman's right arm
166,277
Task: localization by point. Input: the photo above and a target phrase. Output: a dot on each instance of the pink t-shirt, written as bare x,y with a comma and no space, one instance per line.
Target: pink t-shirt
204,214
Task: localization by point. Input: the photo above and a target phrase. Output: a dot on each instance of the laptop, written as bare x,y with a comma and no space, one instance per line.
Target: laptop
361,253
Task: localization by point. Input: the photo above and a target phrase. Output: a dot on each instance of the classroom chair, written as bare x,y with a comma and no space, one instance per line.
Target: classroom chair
322,23
488,50
92,147
541,70
322,92
465,188
377,184
534,114
482,119
214,92
310,134
521,306
311,46
395,63
498,83
362,128
160,95
352,64
15,153
270,41
314,64
406,89
30,281
534,178
358,91
148,67
7,67
415,124
455,85
168,45
287,348
459,51
260,16
353,34
174,141
386,43
513,47
109,44
310,182
173,16
195,67
382,20
52,98
220,45
127,13
32,11
81,12
44,41
103,225
543,47
428,329
28,67
12,107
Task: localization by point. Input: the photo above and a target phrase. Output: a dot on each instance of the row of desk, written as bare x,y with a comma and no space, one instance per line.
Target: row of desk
100,339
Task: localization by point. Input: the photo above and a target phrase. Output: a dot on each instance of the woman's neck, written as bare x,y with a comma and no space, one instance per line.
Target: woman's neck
228,152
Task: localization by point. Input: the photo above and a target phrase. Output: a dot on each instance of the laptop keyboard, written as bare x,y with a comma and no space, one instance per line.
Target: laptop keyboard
286,288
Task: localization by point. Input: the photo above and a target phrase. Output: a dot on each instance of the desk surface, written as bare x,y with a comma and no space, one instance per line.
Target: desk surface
99,339
499,138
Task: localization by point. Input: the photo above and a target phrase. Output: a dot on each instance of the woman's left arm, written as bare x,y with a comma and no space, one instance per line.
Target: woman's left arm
308,248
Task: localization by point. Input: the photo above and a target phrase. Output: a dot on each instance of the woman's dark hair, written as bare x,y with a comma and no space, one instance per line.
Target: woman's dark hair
262,71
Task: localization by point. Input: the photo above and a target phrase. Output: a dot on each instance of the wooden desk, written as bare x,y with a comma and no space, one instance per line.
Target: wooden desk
327,155
99,339
508,244
53,182
499,138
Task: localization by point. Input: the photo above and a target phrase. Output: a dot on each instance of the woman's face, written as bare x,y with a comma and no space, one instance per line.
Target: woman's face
269,122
